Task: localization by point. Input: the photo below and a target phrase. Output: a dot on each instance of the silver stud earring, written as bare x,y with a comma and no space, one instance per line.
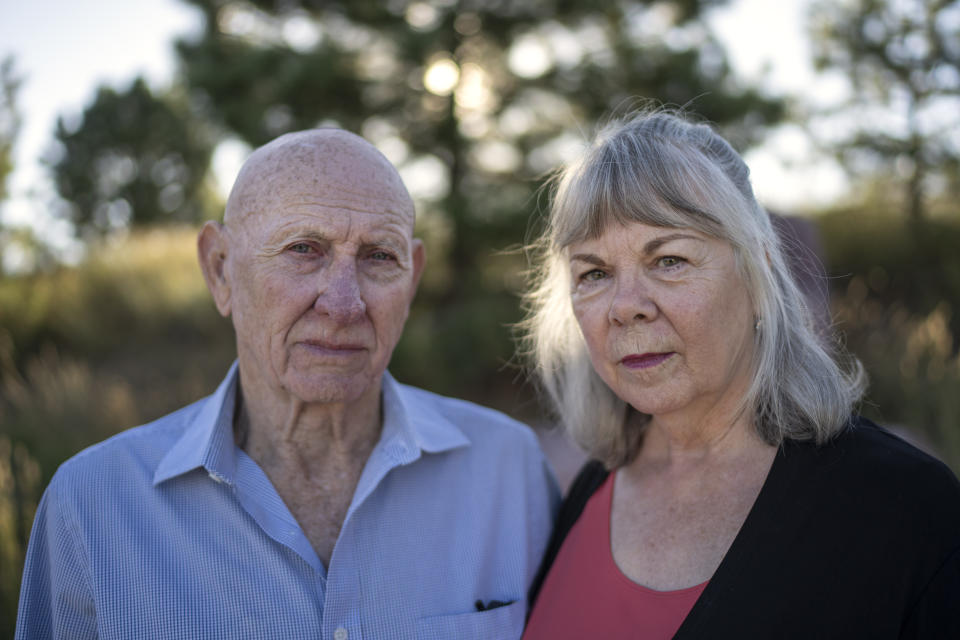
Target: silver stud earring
756,327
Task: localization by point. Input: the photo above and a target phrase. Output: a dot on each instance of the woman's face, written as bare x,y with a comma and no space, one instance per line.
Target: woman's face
668,321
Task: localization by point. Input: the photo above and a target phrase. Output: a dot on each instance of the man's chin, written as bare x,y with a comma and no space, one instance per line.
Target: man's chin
332,387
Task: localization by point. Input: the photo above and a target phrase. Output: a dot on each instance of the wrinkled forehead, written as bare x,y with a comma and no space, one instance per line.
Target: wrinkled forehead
330,167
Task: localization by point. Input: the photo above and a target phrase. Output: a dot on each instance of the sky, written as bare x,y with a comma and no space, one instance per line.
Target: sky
64,49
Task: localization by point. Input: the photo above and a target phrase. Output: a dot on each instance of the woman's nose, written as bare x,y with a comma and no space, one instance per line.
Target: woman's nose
632,302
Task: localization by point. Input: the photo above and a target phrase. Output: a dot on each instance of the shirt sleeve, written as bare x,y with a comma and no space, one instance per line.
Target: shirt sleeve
937,613
540,505
56,598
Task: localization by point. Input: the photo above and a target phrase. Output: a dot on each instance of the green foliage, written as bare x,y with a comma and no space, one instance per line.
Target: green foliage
146,285
10,120
896,299
134,158
903,60
493,95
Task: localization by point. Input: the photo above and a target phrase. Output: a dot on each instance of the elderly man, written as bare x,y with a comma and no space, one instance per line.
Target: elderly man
311,496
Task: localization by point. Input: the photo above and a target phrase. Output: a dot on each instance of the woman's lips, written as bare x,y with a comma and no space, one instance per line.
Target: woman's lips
644,360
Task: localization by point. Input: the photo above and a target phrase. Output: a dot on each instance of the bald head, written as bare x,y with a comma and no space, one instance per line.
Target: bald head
335,167
316,265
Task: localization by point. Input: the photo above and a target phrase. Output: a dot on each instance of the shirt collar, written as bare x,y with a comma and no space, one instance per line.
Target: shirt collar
207,441
410,426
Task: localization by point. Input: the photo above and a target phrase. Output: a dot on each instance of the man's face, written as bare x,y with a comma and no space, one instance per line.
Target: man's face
322,267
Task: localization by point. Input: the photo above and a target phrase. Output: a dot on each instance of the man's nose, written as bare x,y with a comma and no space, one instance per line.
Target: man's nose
632,302
339,293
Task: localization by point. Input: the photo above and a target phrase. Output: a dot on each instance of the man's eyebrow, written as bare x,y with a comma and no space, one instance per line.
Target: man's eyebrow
388,242
377,238
283,235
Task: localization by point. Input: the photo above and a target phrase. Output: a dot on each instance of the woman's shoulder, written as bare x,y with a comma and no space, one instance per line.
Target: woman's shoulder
871,465
584,485
878,451
590,477
587,481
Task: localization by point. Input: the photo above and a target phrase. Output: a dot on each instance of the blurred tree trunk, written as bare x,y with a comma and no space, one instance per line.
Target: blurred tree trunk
903,60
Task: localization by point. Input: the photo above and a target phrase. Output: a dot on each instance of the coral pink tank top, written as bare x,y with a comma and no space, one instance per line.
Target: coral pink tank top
585,595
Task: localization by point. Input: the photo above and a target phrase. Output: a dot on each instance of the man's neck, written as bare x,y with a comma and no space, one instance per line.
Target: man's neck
312,454
274,429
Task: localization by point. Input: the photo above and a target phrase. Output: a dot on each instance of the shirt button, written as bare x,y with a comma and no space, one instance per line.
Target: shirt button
340,634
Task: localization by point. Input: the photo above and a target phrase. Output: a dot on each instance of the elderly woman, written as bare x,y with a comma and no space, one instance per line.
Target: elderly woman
733,494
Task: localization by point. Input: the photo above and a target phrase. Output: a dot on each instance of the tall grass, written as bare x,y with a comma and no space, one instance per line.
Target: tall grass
896,299
85,352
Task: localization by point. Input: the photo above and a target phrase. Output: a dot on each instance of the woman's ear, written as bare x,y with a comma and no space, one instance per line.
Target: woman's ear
212,247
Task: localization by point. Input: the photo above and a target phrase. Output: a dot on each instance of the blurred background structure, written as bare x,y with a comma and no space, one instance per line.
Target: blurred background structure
105,323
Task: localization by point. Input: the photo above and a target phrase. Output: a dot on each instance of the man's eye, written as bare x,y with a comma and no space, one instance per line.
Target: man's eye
382,255
300,247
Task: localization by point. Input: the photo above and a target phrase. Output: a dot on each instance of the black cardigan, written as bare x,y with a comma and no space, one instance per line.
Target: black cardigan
859,538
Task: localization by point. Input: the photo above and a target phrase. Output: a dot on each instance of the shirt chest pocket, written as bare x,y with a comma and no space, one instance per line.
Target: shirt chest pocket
494,624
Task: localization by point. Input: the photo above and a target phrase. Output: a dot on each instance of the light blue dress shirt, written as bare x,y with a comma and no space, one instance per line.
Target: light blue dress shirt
169,530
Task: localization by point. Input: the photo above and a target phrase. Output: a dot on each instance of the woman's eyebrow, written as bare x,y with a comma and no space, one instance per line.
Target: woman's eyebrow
588,258
656,243
648,248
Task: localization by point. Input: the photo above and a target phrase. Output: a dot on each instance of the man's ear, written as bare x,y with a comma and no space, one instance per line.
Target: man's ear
212,248
419,259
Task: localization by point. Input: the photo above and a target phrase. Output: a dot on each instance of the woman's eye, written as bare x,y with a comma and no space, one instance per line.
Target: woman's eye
593,275
669,261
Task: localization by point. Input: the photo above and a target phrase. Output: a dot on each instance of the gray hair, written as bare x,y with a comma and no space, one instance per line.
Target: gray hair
663,170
